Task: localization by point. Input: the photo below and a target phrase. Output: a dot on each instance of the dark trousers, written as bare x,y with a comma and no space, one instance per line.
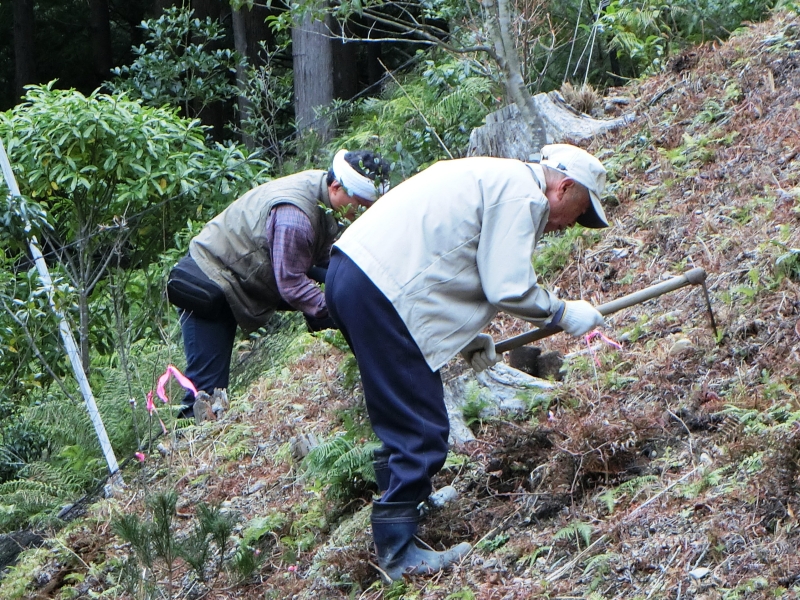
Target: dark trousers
404,397
208,344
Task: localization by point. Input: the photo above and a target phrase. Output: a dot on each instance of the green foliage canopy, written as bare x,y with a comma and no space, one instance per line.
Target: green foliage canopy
422,117
116,180
96,162
179,65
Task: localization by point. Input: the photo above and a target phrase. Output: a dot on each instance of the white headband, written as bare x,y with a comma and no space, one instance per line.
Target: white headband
353,182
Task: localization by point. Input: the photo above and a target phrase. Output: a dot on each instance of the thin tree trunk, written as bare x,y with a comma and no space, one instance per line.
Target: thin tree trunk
313,74
499,21
82,284
240,43
100,33
83,331
24,58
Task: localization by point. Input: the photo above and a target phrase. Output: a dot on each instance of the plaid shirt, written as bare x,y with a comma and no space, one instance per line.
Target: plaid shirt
291,241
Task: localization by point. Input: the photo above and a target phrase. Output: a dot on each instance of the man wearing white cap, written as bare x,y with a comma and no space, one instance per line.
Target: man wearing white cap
415,281
259,255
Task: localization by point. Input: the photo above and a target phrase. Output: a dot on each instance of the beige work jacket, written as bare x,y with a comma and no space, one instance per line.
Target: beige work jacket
452,246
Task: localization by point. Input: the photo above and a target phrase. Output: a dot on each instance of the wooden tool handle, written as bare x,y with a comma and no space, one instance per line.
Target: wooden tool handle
692,277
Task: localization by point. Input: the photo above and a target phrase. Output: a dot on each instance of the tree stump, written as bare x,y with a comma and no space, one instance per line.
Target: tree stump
506,135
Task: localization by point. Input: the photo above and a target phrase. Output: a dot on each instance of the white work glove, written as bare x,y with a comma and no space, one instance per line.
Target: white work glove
580,317
480,353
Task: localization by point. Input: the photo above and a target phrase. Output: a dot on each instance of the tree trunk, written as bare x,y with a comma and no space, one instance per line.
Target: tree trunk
499,21
240,43
374,68
257,30
212,115
345,75
83,330
100,33
24,58
313,74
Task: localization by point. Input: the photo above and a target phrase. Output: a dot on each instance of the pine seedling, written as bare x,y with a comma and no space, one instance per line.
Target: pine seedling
165,545
196,550
156,539
130,528
218,525
581,531
246,561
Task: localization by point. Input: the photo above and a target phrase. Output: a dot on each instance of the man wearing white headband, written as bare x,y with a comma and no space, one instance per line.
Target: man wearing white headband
261,254
416,280
356,183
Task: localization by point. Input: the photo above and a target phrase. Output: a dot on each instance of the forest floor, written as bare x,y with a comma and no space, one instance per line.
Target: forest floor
667,468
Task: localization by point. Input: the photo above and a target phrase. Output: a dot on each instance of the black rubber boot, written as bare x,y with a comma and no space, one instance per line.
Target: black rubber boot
380,463
186,408
393,527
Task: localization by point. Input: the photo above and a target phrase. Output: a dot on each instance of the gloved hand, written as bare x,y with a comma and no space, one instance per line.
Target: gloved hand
580,317
318,324
480,353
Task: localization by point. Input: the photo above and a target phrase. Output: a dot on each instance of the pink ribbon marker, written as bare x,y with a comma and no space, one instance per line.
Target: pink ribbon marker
182,379
597,334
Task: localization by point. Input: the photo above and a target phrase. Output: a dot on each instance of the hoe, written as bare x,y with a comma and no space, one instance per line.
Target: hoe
692,277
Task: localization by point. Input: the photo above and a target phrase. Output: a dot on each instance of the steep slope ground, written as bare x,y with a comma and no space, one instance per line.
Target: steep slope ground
668,468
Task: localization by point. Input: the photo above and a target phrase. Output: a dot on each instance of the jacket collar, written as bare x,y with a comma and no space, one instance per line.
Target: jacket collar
538,175
324,195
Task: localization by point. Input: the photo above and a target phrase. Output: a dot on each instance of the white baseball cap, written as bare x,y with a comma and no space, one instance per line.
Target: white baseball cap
584,168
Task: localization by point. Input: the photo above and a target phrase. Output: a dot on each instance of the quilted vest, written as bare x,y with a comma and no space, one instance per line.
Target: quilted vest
232,248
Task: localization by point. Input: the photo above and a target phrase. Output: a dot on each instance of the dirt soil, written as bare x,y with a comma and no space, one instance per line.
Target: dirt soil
668,468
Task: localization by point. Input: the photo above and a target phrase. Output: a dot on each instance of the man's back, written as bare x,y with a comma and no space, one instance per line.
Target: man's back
450,244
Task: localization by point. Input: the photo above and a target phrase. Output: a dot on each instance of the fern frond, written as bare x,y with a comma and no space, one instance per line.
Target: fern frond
578,529
584,530
353,461
323,456
565,532
67,483
626,41
340,463
599,562
634,485
28,486
450,107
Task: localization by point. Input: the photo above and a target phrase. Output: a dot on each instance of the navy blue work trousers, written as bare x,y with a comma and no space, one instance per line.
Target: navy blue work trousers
404,397
208,345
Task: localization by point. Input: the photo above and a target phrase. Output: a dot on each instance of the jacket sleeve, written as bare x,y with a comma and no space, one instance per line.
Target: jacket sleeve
509,232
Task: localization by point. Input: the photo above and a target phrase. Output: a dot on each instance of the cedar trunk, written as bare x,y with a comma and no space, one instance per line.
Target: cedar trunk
312,55
240,42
